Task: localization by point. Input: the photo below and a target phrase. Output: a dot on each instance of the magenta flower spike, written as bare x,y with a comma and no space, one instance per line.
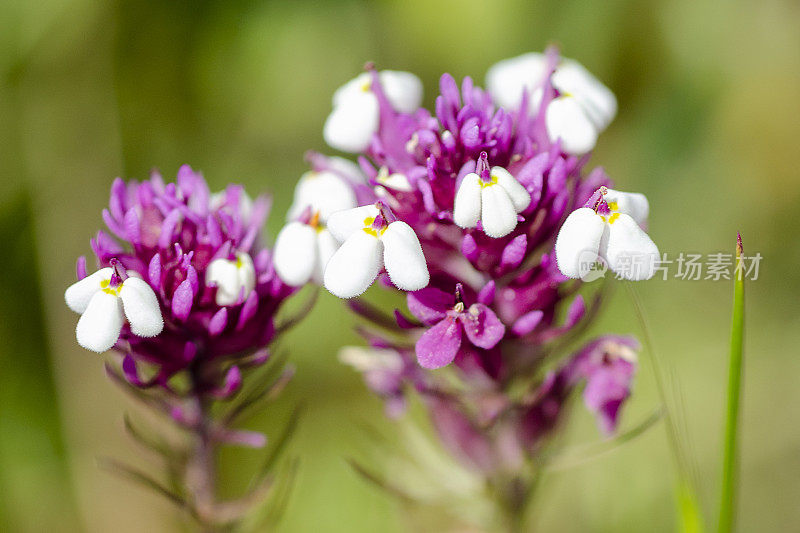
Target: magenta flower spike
186,294
483,184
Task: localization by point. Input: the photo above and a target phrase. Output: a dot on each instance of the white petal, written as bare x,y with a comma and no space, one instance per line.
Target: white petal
326,247
520,197
246,272
99,326
224,275
347,168
631,203
354,266
597,99
578,242
325,192
141,307
396,181
402,89
403,257
629,250
467,205
507,79
80,293
352,123
567,120
366,359
358,85
344,223
295,253
498,216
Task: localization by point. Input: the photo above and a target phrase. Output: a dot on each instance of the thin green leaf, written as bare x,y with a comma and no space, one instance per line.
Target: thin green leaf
146,398
137,476
730,459
267,516
288,320
279,446
258,383
379,482
266,392
148,440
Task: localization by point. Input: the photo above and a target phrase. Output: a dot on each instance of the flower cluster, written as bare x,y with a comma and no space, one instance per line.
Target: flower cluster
183,282
462,209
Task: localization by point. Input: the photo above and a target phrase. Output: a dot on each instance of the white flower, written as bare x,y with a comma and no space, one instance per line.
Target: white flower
302,250
495,202
104,305
367,248
355,116
615,238
305,245
395,181
632,203
234,279
583,108
324,191
507,79
371,359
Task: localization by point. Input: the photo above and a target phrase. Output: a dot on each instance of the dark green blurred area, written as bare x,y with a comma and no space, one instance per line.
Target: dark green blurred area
708,128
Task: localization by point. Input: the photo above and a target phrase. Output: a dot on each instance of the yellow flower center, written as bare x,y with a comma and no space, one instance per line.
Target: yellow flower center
369,230
485,184
106,287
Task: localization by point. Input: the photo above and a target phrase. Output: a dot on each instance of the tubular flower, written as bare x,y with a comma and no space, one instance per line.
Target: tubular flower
234,278
355,115
305,245
371,241
438,346
187,271
104,300
492,197
608,365
385,371
582,107
608,228
302,250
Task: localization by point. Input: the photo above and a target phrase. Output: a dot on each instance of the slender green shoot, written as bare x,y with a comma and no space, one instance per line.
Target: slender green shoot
727,509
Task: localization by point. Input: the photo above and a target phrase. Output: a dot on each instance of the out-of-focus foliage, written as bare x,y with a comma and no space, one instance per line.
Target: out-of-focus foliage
708,126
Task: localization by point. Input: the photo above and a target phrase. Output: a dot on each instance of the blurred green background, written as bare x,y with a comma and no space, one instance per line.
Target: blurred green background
708,128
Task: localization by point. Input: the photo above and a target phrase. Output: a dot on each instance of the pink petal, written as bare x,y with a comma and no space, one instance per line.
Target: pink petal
439,345
482,326
429,304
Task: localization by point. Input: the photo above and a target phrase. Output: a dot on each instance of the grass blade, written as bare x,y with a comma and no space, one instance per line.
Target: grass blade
730,455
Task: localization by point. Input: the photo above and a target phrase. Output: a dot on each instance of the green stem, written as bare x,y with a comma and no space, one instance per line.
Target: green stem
730,458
